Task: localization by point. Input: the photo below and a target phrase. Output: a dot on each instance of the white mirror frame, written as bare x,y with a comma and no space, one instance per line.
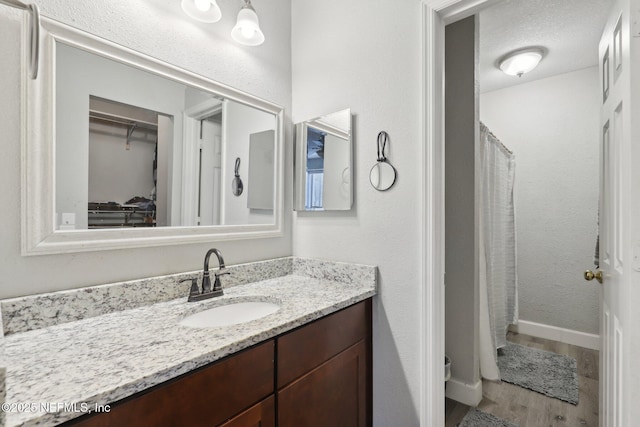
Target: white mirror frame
39,234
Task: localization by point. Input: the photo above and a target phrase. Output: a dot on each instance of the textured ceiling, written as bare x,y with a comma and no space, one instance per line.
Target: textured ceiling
569,30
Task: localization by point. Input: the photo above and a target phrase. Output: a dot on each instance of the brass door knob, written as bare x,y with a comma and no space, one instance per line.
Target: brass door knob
590,275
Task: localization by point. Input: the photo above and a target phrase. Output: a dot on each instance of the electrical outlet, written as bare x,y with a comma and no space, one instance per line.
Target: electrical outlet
68,219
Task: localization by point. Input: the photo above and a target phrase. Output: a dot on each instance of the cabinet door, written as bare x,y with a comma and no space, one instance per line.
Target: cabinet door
333,394
260,415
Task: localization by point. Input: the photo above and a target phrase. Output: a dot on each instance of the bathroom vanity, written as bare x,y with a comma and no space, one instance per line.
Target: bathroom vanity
321,371
122,347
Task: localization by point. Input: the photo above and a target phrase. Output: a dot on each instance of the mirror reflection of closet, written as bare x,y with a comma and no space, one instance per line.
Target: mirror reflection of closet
128,167
324,163
123,165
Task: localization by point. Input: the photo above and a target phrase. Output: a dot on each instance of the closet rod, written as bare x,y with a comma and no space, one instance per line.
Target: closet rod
138,124
34,33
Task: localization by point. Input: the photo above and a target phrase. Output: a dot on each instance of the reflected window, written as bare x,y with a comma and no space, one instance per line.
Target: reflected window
315,169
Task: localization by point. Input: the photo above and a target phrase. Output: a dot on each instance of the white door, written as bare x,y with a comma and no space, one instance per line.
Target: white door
210,167
619,219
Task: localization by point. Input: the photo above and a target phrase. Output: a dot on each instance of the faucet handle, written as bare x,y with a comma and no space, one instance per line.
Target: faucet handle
221,272
217,286
194,286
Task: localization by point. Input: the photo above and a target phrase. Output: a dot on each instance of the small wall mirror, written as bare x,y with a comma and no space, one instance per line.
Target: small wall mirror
382,176
324,164
145,152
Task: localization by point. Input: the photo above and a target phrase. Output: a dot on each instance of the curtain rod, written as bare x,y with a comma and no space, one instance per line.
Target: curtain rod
34,33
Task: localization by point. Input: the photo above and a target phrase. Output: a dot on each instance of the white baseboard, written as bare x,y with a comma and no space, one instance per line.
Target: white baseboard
568,336
469,394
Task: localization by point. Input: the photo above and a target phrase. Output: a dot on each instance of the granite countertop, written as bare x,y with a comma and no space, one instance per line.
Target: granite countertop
101,359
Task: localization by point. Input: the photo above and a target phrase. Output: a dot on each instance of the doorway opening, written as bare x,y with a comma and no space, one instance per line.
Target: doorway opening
549,120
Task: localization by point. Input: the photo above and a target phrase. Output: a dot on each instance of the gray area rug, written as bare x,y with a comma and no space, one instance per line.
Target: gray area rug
554,375
475,418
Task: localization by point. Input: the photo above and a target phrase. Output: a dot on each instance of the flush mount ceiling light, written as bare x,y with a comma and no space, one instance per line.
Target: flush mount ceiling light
202,10
521,61
247,30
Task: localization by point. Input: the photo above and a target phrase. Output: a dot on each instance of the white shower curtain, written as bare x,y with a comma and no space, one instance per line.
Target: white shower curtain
498,278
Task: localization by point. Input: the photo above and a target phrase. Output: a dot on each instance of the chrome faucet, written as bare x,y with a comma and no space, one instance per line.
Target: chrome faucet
207,292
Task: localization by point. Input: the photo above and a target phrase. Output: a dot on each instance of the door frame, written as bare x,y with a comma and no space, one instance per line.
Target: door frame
191,118
435,15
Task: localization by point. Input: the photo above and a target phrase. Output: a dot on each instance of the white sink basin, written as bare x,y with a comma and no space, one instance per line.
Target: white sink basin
230,314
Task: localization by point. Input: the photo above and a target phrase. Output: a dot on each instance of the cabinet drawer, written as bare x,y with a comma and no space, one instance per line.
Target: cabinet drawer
311,345
206,397
261,415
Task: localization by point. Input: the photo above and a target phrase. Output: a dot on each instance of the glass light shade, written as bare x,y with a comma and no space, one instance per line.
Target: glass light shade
247,30
202,5
521,62
202,10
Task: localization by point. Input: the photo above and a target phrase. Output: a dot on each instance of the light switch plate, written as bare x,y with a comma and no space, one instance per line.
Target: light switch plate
636,256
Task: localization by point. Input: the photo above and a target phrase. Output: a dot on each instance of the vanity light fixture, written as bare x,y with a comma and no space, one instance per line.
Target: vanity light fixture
202,10
247,30
521,61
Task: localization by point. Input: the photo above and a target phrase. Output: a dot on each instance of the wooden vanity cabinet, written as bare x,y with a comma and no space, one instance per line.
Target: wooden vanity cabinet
318,375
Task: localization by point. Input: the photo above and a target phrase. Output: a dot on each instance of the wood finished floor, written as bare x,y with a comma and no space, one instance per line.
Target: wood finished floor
530,409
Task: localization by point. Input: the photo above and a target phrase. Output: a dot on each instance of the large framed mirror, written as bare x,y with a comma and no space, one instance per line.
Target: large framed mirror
122,150
323,163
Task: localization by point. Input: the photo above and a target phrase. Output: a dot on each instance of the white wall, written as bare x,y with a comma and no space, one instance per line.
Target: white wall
461,223
552,127
239,122
366,55
164,32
